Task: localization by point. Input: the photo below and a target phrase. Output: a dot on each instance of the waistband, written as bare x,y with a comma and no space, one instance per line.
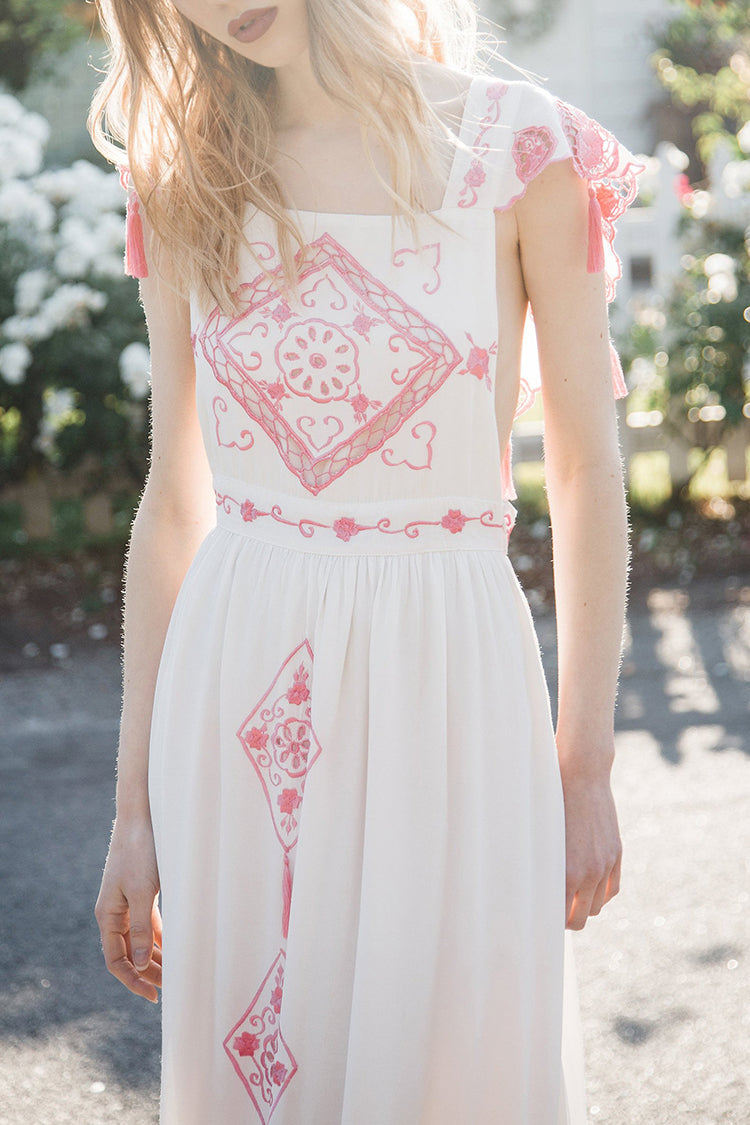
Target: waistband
363,527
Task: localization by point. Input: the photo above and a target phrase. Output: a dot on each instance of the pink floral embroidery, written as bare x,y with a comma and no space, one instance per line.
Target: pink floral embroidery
362,323
279,740
288,800
246,1044
275,391
454,520
318,361
361,404
476,174
257,1049
293,746
249,512
276,997
595,151
497,91
612,177
321,382
345,527
280,312
299,692
257,738
278,1073
282,759
478,361
532,151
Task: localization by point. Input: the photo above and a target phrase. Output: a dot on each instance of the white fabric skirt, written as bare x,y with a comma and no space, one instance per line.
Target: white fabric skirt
360,836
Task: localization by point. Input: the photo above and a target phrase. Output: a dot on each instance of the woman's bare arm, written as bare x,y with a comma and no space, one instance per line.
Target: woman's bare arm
588,511
176,511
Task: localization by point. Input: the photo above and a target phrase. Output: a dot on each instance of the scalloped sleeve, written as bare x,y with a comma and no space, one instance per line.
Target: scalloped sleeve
542,130
135,252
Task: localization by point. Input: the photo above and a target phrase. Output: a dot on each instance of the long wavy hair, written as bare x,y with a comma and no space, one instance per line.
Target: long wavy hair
193,121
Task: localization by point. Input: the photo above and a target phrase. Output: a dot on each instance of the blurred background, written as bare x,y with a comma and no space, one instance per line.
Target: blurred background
663,971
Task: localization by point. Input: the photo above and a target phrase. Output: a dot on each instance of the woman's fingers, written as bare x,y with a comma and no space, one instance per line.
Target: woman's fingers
592,844
126,932
141,930
118,960
127,911
586,896
582,896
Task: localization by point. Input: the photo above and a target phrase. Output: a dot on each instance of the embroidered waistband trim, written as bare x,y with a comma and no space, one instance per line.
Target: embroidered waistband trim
365,527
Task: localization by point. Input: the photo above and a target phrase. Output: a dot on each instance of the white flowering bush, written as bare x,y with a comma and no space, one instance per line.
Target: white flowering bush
73,356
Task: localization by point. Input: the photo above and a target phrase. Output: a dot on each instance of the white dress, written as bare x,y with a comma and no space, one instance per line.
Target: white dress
353,776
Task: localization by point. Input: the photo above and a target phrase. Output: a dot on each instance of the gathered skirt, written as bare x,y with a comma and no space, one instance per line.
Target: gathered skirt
359,826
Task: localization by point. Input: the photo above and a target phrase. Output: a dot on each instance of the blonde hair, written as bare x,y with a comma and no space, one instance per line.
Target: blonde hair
193,120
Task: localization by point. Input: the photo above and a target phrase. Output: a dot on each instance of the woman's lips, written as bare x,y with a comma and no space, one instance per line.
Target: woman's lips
252,24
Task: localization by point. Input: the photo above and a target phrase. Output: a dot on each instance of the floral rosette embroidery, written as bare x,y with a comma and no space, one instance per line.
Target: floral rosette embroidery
478,361
611,174
532,151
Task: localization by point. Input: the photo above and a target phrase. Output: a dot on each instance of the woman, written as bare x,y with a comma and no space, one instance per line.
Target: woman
337,760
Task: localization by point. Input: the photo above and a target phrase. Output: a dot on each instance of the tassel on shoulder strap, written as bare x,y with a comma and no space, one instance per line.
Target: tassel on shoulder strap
540,130
135,251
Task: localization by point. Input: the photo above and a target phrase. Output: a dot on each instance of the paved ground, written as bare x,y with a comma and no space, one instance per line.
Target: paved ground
663,972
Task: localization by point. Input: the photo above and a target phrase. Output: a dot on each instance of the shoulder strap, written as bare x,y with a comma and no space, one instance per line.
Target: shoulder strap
473,173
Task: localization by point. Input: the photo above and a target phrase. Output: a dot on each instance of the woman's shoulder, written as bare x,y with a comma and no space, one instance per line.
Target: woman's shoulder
524,128
538,128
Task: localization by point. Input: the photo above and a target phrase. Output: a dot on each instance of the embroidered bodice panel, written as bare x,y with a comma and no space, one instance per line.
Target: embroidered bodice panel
380,382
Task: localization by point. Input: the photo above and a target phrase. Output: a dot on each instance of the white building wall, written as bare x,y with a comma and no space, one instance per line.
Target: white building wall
596,56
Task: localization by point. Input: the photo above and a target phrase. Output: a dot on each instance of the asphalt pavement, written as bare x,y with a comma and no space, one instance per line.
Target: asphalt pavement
663,972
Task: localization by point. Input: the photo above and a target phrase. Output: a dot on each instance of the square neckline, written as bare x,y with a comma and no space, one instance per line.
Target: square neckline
444,206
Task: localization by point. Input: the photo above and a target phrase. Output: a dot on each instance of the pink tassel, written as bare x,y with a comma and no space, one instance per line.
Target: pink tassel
618,377
286,894
135,253
595,262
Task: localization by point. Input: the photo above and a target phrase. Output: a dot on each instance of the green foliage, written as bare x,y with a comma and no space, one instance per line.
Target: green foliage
689,352
703,61
693,349
30,29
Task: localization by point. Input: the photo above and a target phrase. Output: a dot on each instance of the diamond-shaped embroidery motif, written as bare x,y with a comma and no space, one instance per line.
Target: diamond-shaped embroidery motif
279,740
300,377
257,1048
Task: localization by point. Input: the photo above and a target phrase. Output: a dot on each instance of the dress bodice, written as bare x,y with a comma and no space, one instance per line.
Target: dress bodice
380,382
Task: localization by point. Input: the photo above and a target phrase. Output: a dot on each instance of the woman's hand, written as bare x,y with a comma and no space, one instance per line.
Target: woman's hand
127,911
593,845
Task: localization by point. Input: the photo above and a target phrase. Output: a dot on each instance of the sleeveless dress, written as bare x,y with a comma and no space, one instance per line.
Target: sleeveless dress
354,785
